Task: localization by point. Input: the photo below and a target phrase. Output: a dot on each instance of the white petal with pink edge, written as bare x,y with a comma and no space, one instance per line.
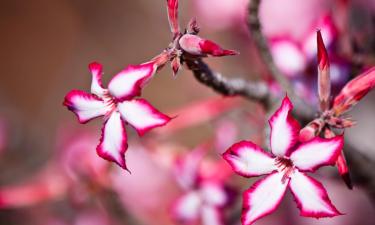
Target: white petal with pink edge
129,82
113,142
213,194
318,152
311,197
141,115
211,216
187,207
263,198
284,129
247,159
96,70
86,106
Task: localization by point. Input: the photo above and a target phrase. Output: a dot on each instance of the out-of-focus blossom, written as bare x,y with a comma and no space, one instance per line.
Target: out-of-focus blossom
204,197
221,14
199,112
48,184
186,44
118,105
151,187
285,167
63,176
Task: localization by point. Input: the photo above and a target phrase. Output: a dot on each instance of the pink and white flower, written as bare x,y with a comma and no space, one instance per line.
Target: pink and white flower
118,105
204,199
285,167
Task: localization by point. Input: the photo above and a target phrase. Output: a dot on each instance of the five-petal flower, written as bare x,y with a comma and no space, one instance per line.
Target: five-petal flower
118,105
204,198
286,166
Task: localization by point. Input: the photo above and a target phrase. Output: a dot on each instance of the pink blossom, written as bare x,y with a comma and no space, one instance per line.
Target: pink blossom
118,105
285,167
221,14
204,197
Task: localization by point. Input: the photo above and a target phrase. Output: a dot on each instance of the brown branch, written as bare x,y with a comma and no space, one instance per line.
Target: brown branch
260,42
257,91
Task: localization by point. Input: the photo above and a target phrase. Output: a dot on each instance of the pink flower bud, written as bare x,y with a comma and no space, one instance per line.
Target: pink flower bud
354,91
311,130
324,82
195,45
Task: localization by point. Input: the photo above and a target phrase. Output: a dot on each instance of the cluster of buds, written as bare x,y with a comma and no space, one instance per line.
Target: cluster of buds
186,45
332,115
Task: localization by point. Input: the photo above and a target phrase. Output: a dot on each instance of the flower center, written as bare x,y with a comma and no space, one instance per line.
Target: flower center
110,102
285,166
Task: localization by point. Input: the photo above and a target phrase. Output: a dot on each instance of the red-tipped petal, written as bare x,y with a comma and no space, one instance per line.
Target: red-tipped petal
195,45
311,197
113,143
317,152
354,91
187,207
172,6
86,106
129,82
142,115
248,160
176,65
323,60
324,81
96,70
263,198
211,48
284,129
212,216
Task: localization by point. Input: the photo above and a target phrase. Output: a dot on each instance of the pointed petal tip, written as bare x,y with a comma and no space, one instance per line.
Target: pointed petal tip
95,66
347,180
113,141
323,60
311,197
263,198
284,129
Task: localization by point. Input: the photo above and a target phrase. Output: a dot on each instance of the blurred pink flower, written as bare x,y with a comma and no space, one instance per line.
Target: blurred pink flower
151,188
204,197
221,14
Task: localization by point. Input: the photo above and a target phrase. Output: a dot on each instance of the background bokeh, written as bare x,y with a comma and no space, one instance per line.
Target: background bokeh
46,46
